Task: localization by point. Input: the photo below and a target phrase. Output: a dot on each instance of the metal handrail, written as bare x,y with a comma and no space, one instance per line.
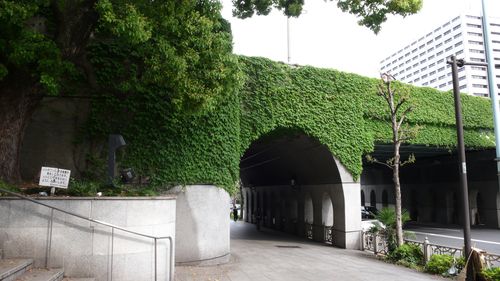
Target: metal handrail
113,227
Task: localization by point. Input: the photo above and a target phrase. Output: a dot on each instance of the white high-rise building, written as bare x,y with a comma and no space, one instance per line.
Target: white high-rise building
423,62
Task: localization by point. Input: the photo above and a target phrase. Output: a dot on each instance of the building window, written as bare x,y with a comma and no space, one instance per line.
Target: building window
439,45
430,42
473,17
479,86
447,40
457,35
442,85
479,77
432,64
431,57
476,60
478,68
475,34
432,81
439,53
459,52
461,78
473,42
455,19
425,84
438,37
462,87
440,61
424,76
473,25
476,51
432,72
441,69
458,43
447,49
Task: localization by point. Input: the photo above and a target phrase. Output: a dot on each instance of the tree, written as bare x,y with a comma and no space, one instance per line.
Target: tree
372,13
397,102
177,50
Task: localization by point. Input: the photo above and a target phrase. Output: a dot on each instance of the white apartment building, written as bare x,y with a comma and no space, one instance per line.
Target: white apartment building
423,62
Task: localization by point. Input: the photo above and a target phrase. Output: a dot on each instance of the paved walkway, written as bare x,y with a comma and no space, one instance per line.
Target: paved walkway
270,255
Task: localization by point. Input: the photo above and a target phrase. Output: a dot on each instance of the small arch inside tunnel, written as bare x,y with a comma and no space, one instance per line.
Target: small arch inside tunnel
327,212
299,182
373,199
362,198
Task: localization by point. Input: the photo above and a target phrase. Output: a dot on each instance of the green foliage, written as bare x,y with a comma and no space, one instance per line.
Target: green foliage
439,264
387,216
491,274
408,255
91,188
372,13
8,187
340,110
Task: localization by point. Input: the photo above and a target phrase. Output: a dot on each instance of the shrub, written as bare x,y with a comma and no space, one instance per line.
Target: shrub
439,264
8,187
491,274
407,254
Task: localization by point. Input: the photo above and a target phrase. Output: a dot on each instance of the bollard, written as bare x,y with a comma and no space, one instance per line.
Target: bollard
362,236
427,250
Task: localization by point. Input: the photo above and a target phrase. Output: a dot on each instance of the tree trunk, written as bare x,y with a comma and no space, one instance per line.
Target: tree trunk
17,103
397,191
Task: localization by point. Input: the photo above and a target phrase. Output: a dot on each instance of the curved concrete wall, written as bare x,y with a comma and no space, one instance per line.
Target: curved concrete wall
86,249
202,229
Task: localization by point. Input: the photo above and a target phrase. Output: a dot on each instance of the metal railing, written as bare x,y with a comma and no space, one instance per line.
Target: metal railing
113,227
376,243
309,230
328,234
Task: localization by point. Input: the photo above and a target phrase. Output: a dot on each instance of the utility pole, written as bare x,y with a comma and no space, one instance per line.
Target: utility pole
288,39
461,153
492,87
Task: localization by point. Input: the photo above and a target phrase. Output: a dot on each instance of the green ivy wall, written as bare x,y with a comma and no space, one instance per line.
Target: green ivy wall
341,110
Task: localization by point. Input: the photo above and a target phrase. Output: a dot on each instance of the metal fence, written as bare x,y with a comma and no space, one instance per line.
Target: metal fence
377,244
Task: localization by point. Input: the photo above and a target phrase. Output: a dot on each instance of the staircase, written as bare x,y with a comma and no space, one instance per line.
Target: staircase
22,270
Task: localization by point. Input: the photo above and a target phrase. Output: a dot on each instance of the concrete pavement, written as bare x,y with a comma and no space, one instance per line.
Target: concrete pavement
269,255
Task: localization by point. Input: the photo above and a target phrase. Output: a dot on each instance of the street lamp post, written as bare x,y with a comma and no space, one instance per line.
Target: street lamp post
461,153
455,64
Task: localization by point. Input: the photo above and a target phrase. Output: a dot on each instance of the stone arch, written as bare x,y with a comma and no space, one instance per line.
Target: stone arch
308,209
296,162
362,198
480,213
414,205
373,199
385,199
327,210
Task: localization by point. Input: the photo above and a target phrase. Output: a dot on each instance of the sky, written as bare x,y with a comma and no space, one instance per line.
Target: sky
325,37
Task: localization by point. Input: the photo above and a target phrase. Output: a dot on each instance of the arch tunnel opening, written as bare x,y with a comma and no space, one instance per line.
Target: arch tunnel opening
291,183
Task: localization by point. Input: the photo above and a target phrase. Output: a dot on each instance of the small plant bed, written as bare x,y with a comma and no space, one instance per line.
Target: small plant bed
407,255
83,188
491,274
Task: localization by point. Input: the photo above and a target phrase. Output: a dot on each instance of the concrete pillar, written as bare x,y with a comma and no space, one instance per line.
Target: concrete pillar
318,230
202,229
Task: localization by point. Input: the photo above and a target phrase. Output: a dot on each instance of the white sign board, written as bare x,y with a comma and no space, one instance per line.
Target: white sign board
54,177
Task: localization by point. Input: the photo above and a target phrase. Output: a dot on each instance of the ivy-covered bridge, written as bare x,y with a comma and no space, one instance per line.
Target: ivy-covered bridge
295,138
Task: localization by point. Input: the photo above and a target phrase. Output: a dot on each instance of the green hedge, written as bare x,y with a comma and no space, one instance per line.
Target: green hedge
340,110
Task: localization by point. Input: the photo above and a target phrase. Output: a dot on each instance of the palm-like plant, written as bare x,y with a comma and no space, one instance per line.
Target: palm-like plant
387,217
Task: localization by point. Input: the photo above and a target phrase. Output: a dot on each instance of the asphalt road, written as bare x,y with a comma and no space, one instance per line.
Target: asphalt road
482,238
